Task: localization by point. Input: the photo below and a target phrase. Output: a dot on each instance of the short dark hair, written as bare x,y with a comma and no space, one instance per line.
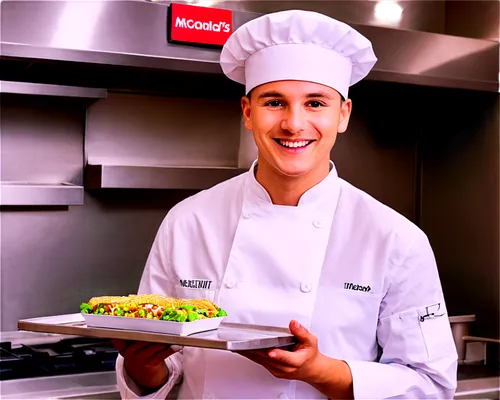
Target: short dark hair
249,94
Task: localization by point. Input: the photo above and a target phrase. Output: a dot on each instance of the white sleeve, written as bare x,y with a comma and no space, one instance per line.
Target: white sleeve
129,389
156,279
419,357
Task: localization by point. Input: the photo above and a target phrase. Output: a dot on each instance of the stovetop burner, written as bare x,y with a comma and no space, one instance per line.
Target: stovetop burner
69,356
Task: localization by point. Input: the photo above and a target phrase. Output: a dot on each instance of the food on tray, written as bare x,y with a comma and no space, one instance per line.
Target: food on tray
153,306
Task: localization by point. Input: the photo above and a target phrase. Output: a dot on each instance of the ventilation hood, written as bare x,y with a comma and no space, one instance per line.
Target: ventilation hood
134,34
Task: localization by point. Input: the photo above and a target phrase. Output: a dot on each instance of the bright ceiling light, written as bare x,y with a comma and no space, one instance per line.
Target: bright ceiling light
388,11
205,3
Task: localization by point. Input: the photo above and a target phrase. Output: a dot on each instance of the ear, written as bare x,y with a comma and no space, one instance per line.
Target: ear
345,114
245,108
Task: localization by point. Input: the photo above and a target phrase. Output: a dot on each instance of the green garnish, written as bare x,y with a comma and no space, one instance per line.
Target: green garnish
188,307
86,308
221,313
169,314
192,316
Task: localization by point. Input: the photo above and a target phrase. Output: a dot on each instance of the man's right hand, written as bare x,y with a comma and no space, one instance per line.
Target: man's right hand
145,362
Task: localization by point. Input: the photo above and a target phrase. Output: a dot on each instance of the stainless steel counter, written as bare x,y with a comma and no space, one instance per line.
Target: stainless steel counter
481,388
100,384
478,381
474,381
103,386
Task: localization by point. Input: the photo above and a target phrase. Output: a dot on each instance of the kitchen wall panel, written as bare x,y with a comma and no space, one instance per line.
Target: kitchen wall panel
475,19
461,201
42,139
54,259
378,151
151,130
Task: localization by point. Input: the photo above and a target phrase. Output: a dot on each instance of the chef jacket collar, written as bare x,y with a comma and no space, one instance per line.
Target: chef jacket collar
326,190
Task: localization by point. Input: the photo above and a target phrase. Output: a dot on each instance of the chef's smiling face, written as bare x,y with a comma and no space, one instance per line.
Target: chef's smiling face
295,125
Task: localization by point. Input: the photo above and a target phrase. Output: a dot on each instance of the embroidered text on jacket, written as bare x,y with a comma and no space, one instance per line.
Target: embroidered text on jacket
352,286
195,283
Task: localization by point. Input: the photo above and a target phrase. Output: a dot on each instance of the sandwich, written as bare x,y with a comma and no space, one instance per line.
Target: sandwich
153,306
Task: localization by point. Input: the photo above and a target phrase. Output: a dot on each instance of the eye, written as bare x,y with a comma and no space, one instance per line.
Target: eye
274,103
315,104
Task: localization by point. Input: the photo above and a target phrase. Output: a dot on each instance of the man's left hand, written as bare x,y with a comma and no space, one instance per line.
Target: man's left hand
304,363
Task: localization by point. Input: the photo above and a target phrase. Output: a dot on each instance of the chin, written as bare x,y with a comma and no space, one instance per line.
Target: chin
292,171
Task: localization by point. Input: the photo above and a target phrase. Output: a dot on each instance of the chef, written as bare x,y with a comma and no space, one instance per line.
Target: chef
291,244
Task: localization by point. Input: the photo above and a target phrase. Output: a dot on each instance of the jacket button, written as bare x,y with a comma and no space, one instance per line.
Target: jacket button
306,287
318,223
230,284
247,214
283,396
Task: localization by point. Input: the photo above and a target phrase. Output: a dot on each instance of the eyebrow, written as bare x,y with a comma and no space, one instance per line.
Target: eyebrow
275,94
319,94
265,95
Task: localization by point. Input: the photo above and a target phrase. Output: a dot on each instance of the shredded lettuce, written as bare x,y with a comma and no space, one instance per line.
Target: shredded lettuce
86,308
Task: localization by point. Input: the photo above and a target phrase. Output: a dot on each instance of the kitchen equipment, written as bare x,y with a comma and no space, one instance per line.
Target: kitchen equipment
470,349
63,357
229,336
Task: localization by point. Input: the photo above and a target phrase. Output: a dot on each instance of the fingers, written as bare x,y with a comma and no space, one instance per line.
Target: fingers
161,356
287,358
120,345
291,347
302,334
144,352
262,358
151,349
132,348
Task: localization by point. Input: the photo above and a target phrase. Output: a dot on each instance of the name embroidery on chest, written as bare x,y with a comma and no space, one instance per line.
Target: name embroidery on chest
352,286
195,283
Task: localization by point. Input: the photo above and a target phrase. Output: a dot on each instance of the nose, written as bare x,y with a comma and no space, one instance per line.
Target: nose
294,120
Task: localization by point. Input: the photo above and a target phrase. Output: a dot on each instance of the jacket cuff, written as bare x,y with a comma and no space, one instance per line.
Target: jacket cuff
367,379
130,390
373,380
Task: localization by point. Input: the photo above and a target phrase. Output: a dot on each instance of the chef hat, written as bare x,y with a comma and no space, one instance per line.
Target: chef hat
297,45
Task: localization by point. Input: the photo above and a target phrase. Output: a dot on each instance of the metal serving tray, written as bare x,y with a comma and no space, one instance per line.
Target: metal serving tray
229,336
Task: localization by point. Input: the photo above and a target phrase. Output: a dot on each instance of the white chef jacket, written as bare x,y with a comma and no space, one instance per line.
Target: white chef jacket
358,275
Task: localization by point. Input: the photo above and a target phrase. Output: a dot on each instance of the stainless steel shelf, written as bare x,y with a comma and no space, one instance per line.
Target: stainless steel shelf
410,57
40,194
38,89
456,319
146,177
33,52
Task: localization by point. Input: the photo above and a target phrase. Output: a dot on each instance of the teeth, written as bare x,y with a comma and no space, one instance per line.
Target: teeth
293,144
